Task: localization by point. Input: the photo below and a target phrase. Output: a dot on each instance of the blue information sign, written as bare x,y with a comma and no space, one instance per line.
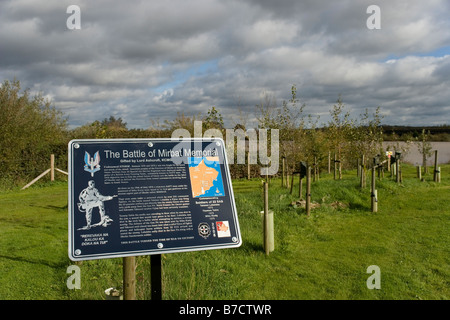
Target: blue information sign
130,197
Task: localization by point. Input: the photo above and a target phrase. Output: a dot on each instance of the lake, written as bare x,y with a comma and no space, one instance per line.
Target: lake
413,156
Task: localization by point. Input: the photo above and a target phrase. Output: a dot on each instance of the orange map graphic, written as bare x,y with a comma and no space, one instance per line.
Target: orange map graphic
202,178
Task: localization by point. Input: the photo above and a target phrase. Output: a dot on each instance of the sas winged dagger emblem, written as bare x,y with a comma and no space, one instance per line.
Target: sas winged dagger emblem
91,164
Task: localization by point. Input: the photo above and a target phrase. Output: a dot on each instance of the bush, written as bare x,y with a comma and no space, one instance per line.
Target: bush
30,130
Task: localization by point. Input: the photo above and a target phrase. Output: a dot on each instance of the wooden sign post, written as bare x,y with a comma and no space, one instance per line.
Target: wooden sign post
129,278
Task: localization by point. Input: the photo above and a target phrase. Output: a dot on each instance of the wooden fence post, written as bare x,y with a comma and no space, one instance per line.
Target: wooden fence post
334,174
51,170
52,167
435,174
292,182
315,169
329,161
300,186
308,191
375,202
248,165
287,175
397,170
373,193
268,223
358,168
419,172
363,177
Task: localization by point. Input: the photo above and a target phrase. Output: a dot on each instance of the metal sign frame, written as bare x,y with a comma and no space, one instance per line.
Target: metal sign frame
98,166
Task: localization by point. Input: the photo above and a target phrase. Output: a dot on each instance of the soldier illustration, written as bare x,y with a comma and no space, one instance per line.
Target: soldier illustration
89,199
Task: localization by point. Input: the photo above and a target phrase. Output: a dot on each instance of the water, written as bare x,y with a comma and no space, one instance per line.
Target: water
413,156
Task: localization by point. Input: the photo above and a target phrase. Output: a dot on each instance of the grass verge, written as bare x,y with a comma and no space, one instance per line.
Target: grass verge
324,256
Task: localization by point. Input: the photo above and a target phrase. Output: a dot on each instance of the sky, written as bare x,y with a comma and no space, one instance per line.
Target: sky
146,61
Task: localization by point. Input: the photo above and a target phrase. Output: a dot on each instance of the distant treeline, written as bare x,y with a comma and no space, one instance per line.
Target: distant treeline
397,132
31,129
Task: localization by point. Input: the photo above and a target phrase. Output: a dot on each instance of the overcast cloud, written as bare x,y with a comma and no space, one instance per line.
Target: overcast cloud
143,60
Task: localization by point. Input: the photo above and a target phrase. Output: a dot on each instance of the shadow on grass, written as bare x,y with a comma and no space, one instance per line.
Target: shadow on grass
54,265
51,207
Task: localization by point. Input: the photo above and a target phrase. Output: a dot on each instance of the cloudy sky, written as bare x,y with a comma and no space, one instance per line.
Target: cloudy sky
143,60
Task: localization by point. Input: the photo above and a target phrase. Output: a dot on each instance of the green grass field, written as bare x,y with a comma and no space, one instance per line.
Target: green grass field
324,256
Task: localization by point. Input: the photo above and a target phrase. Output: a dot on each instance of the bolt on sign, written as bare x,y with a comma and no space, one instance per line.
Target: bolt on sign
130,197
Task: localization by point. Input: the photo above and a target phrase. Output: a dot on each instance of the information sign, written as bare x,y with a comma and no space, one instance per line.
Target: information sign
130,197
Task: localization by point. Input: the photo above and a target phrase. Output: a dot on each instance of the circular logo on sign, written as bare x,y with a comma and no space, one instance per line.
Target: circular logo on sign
204,230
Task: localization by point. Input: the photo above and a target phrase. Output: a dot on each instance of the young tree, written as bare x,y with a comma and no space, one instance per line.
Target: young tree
181,121
367,135
339,131
314,144
288,119
424,147
213,120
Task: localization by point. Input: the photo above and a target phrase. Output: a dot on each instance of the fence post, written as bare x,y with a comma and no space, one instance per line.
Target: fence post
308,190
268,223
373,193
287,176
334,174
435,174
363,177
375,202
358,168
397,170
292,183
248,165
329,161
52,167
315,169
300,185
419,172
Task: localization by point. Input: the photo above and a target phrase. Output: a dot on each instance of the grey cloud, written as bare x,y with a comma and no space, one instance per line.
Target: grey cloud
137,59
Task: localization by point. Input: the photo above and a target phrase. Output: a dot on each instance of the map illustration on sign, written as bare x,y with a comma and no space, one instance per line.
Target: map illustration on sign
206,179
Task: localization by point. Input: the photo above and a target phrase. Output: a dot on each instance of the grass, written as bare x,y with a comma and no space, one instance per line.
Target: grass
324,256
